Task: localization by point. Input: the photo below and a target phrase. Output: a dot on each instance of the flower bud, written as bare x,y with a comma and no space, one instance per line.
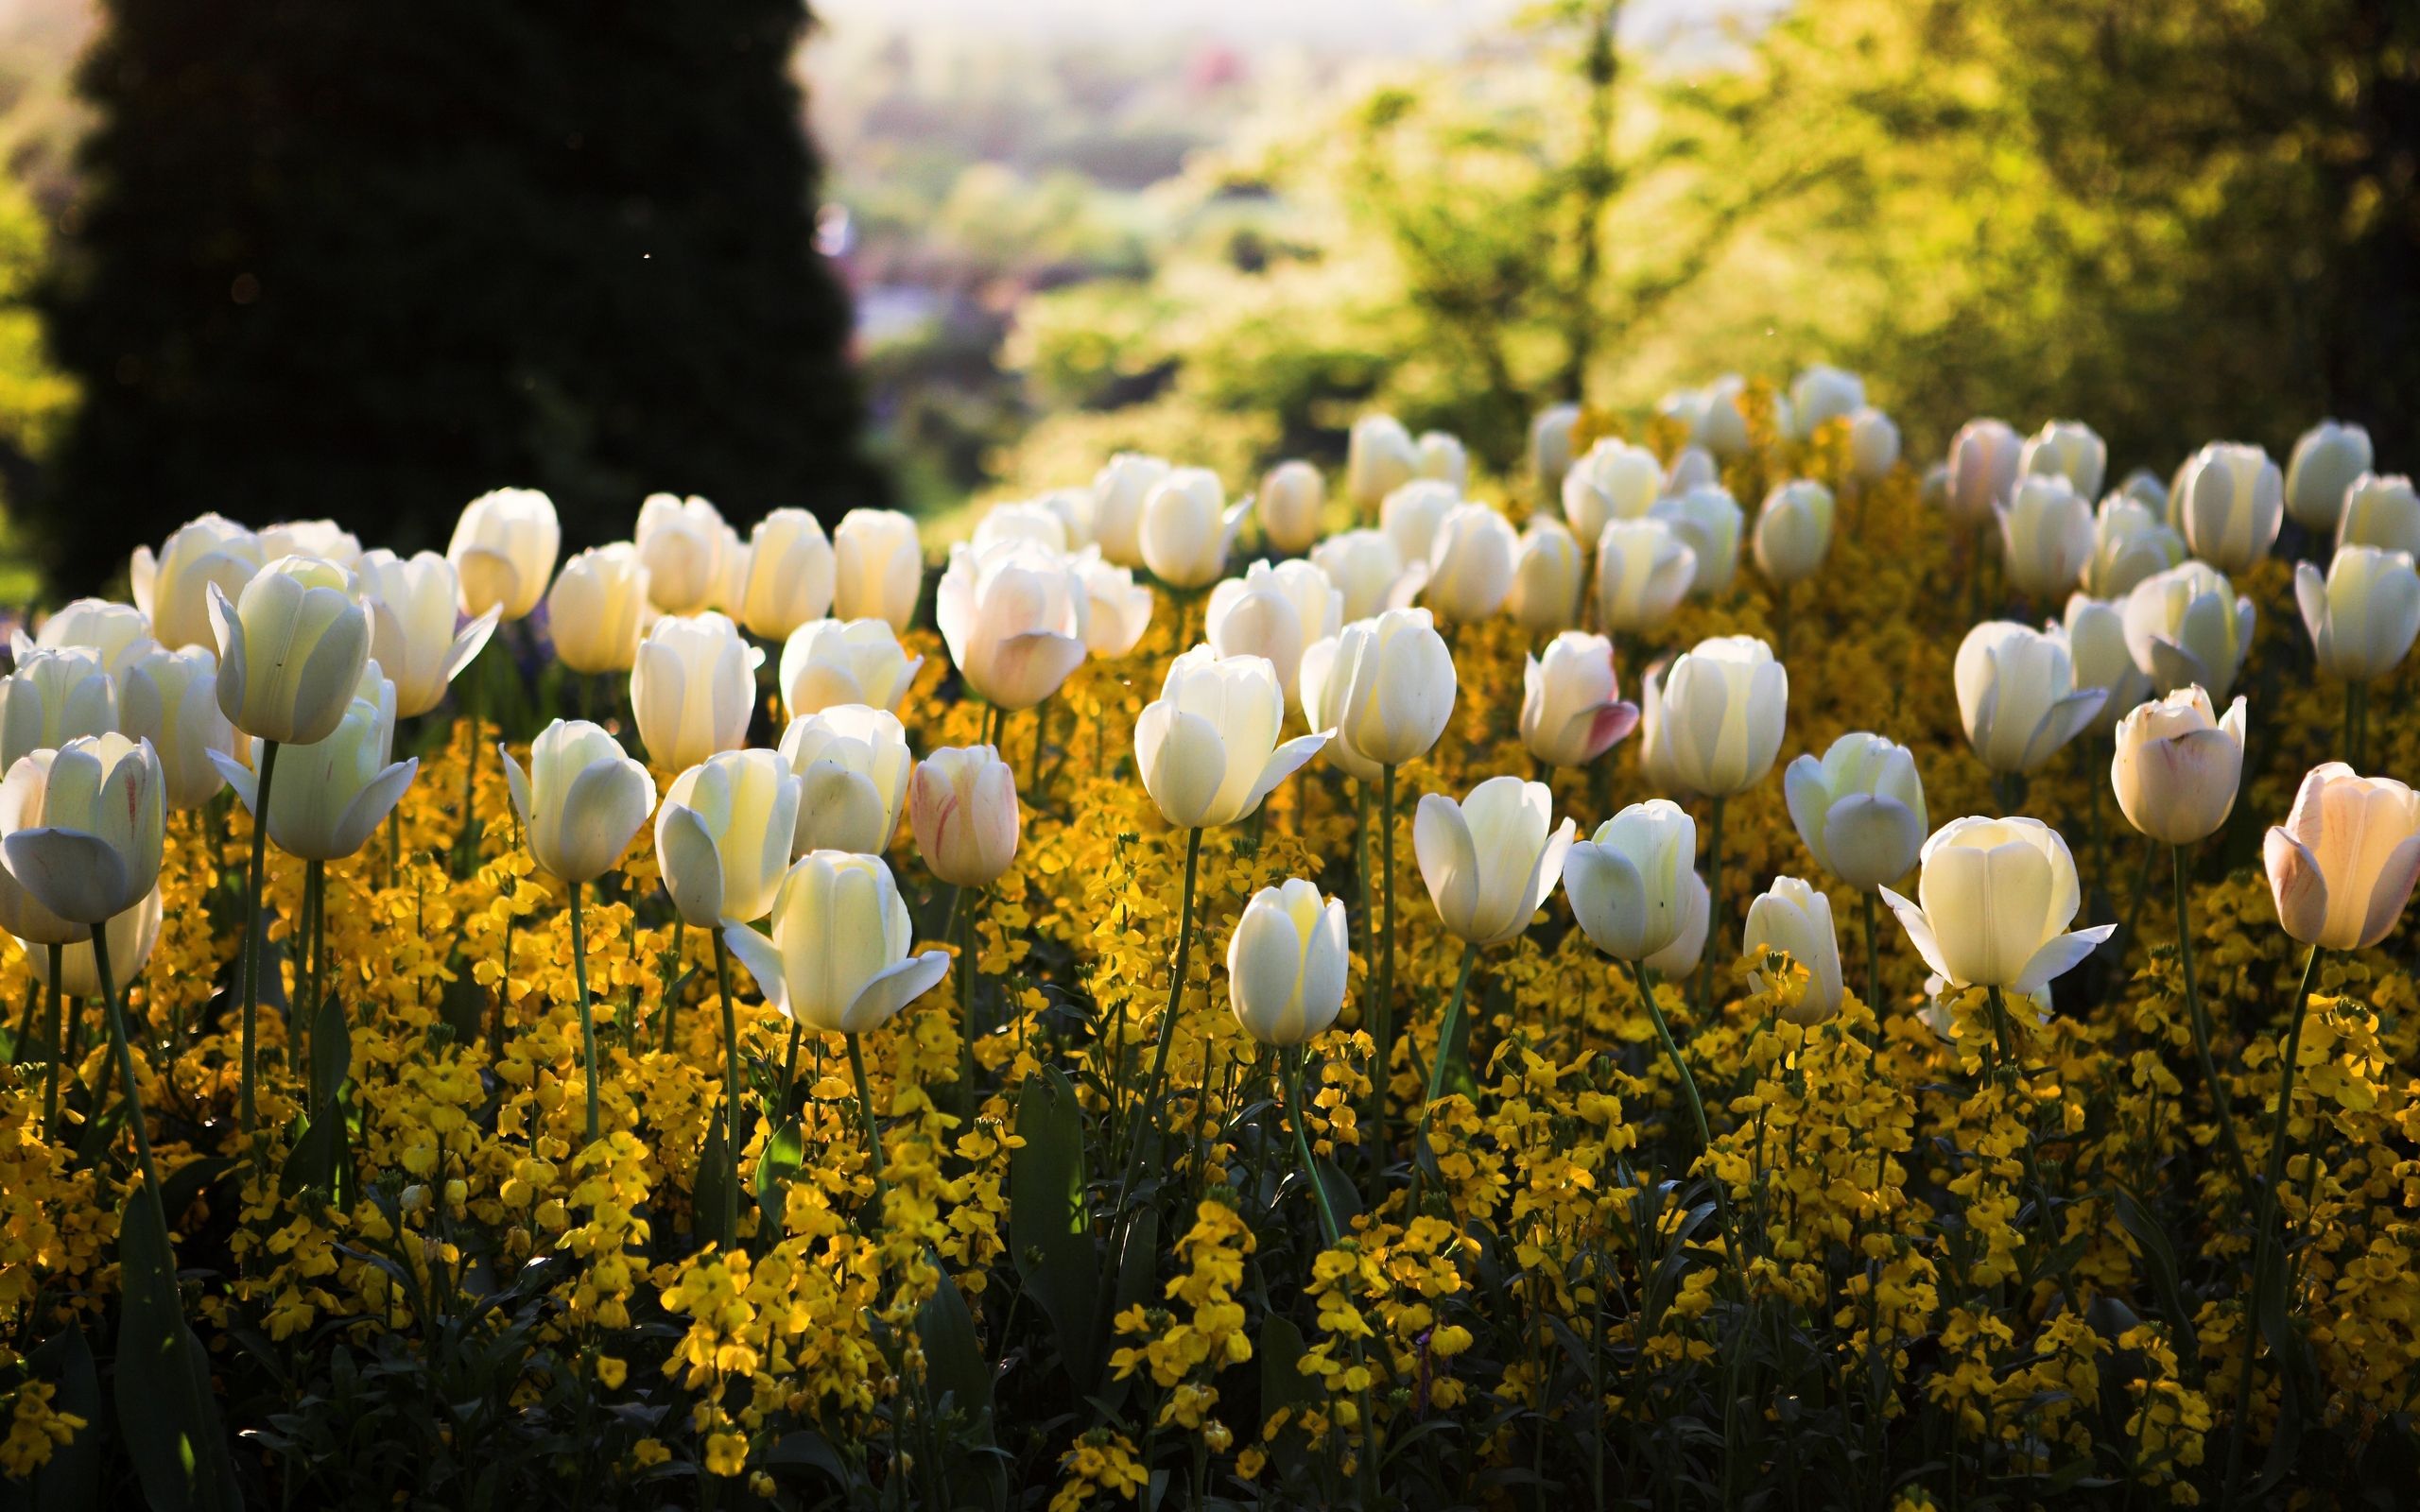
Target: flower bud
1719,713
1710,521
1996,897
1860,810
173,588
832,662
877,567
1287,963
2325,461
962,806
1380,457
1550,439
2046,535
723,837
1793,918
1470,563
503,550
599,609
838,961
1571,701
290,650
692,687
1490,860
1794,531
1291,496
2363,615
1118,491
2342,863
1549,570
2066,449
852,764
1187,528
1014,617
1207,746
581,801
1820,394
1629,882
1874,445
1275,613
2017,695
2231,502
791,568
1643,570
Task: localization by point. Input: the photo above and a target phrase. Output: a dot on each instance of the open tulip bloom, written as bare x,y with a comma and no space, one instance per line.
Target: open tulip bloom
1207,746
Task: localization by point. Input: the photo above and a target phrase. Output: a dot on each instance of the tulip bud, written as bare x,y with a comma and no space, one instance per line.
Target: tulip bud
2129,543
1710,521
54,696
723,837
1693,469
133,935
1794,531
2017,695
1677,960
2363,615
1793,918
692,687
2066,449
962,806
1287,963
1443,457
117,633
1716,419
2378,512
838,961
832,662
852,764
290,650
1550,439
1013,617
1371,572
331,795
1033,523
1629,884
2325,461
1983,458
1074,507
599,609
21,808
1275,613
1394,687
2095,636
503,550
681,544
1874,445
323,539
1291,496
1643,570
173,589
1118,609
2046,535
1118,491
1549,570
2186,627
1490,860
791,568
2232,499
1820,394
877,567
413,635
581,801
1412,514
1614,481
1571,701
1719,713
1470,563
2144,487
1996,897
2342,863
1207,746
1187,528
171,700
1860,810
85,827
2177,767
1379,457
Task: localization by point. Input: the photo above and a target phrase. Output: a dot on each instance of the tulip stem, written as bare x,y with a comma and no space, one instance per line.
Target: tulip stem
394,843
587,1012
1290,1060
1155,1084
466,843
1713,909
314,909
672,978
1873,963
1033,767
1451,1026
2263,1251
965,922
255,941
125,1052
2357,720
58,1046
1640,976
873,1126
2201,1023
1383,1032
727,1221
1361,870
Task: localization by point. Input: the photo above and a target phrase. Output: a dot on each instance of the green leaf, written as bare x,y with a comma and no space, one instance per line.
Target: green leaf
311,1165
165,1412
2161,1261
777,1166
1049,1232
715,1196
1283,1384
957,1373
70,1481
331,1053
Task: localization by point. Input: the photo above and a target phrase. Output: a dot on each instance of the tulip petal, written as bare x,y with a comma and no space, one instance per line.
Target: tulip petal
1265,963
691,866
1448,860
78,876
241,778
2296,883
1919,928
516,783
370,806
1183,762
1809,801
1283,763
762,960
892,989
470,641
2390,889
2059,955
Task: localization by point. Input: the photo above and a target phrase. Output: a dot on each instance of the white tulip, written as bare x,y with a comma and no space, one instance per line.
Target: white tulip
1490,860
692,687
1275,613
1385,685
1551,445
582,800
1983,469
2130,542
839,958
1287,963
2326,460
1793,531
1118,608
1207,746
1710,521
1470,563
1412,514
173,588
1033,523
834,662
2232,500
680,542
853,766
1679,960
2363,615
1694,468
2046,535
1996,897
723,837
2177,765
2382,511
330,795
1371,572
2017,695
877,567
1874,445
1716,715
790,574
1442,457
1821,393
503,550
1860,810
597,610
1614,481
1118,491
1014,617
1380,457
413,634
2094,633
323,539
170,698
1187,528
1630,882
117,633
1795,919
2068,449
1549,571
2188,626
1644,569
55,694
1291,496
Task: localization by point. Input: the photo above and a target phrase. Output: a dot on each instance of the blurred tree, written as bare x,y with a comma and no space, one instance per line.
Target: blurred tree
369,260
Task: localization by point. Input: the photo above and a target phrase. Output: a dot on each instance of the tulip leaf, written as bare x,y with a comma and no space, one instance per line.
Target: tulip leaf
714,1197
165,1412
311,1165
777,1166
2160,1258
1049,1232
1283,1387
331,1052
70,1481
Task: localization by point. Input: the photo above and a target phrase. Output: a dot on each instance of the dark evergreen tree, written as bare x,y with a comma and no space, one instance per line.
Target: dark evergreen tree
365,260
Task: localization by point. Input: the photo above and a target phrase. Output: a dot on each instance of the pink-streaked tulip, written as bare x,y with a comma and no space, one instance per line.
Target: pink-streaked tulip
839,958
599,609
962,808
1287,963
2177,767
2363,615
173,588
1014,617
852,764
722,836
1793,918
1996,899
877,567
292,651
1860,810
2230,506
504,549
1572,710
2342,863
85,829
581,801
834,662
2017,695
1490,860
790,569
2325,461
1207,746
692,687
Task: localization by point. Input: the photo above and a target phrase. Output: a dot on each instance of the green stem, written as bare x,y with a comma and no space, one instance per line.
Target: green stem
587,1014
134,1116
789,1067
1436,1074
728,1219
2219,1098
466,842
315,908
57,1046
1697,1111
672,977
1033,766
1873,963
1147,1120
966,1012
1713,911
1290,1058
1383,1032
255,938
873,1126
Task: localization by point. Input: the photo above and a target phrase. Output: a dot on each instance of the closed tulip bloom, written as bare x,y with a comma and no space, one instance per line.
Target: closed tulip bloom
1983,469
1874,445
117,633
1470,563
1412,514
2342,863
1613,481
1207,746
599,609
1118,608
1643,570
2232,502
680,542
1187,528
2325,461
1118,491
1397,686
1287,962
1490,860
290,650
2130,542
838,962
2178,766
1291,496
1694,468
1371,570
1321,692
173,588
1793,531
831,662
1021,521
1679,959
2378,512
692,687
133,935
2188,626
1995,899
1726,702
1716,422
412,633
323,539
1549,571
1860,810
1572,710
962,807
85,829
1275,613
877,567
1013,617
2144,487
1629,882
731,578
1551,445
2095,636
790,569
1074,507
55,694
1379,457
1710,521
331,795
1795,919
2017,695
2067,449
20,803
852,764
170,698
503,550
2363,615
1442,457
582,800
1823,393
2046,535
723,837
